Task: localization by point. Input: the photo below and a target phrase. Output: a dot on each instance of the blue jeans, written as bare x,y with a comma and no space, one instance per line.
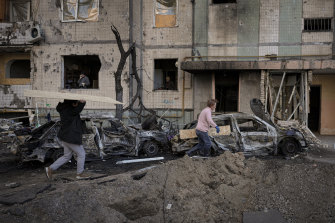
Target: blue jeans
203,146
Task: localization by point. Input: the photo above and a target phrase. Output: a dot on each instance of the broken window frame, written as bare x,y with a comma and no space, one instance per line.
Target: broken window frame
8,11
154,17
253,120
76,13
165,73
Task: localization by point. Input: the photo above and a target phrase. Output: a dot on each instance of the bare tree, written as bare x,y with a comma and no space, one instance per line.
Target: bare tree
118,73
117,76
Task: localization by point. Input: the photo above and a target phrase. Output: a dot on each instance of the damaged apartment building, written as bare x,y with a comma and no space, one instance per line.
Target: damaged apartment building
280,51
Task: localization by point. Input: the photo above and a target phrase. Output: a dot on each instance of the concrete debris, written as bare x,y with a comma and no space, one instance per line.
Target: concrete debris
24,195
13,185
168,206
309,136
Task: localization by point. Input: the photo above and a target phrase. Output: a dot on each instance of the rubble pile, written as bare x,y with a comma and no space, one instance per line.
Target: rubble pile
216,189
187,189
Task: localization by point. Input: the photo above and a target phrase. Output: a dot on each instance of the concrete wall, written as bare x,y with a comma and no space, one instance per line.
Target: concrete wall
248,28
327,83
201,30
222,30
78,38
290,27
317,43
268,27
166,43
262,27
249,88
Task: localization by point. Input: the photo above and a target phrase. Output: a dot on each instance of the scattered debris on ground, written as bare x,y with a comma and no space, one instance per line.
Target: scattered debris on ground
217,189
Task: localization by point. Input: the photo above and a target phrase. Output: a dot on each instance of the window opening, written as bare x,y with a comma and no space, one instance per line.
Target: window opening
165,75
226,91
14,10
165,13
318,24
75,66
80,10
251,125
18,69
223,1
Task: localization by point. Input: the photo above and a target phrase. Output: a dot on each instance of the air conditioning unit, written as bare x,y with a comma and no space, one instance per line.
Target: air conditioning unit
34,34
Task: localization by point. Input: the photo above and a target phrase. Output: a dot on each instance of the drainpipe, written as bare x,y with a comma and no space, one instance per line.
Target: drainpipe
193,25
131,24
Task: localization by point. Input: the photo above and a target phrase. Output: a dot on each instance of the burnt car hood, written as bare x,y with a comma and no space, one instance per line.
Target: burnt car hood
258,109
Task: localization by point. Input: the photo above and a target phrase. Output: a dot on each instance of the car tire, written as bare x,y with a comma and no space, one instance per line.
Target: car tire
56,154
289,147
151,148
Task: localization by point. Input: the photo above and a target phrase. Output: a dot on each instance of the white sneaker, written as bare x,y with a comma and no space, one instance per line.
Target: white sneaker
48,172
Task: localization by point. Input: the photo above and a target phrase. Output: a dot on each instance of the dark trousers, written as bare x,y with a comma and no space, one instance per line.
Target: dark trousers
203,146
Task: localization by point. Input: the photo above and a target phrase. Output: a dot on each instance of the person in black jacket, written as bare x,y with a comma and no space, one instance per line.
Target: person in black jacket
70,135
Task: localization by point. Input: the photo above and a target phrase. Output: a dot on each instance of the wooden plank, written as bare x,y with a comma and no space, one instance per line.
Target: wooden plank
69,96
190,133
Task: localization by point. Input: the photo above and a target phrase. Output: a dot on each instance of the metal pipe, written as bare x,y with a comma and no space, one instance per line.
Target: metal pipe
306,98
266,91
293,90
276,102
293,112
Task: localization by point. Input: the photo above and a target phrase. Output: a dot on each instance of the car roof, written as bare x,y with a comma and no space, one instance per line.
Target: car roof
235,115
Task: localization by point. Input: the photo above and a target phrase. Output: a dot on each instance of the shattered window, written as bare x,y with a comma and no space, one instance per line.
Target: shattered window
166,74
80,10
14,10
18,69
165,13
81,71
251,125
223,122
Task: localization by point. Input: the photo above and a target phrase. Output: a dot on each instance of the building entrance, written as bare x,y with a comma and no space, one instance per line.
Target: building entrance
226,91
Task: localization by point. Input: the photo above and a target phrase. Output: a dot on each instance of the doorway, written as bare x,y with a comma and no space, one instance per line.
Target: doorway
226,91
315,109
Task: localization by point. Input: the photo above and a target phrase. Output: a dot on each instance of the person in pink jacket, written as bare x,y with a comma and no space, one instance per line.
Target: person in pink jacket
205,121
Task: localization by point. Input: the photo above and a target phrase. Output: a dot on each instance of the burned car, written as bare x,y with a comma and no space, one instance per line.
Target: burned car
101,138
249,134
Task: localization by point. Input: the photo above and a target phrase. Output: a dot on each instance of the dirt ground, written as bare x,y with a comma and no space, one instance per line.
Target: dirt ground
178,189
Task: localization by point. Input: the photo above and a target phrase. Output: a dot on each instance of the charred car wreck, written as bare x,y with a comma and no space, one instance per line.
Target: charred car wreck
102,138
253,135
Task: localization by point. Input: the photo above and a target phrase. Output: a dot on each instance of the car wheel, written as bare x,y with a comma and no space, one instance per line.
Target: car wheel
56,154
151,148
289,147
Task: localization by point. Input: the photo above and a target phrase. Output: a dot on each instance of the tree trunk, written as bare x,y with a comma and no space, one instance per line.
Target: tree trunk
118,73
